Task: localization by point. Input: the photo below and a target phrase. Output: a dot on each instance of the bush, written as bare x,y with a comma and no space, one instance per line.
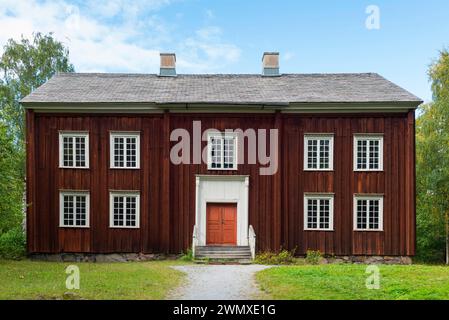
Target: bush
283,257
12,244
188,256
313,257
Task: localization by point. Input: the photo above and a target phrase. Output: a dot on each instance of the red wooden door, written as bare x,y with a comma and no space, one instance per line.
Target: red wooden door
221,224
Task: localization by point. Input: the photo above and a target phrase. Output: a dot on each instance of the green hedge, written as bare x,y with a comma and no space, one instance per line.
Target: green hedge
12,244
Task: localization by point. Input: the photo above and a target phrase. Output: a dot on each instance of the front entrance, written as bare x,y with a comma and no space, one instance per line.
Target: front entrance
221,224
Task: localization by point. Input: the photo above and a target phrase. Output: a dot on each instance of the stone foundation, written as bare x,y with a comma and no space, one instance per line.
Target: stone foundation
100,257
404,260
127,257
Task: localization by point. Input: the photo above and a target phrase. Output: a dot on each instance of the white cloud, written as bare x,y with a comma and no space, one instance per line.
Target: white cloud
288,56
115,35
206,52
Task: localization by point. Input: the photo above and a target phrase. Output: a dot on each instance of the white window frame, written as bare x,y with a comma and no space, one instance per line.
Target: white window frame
369,137
73,134
381,211
113,194
122,134
221,135
63,193
318,136
319,196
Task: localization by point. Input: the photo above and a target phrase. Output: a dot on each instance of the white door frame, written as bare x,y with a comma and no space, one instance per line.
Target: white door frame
222,189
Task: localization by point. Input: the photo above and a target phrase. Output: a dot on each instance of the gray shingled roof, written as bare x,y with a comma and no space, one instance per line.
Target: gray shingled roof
226,89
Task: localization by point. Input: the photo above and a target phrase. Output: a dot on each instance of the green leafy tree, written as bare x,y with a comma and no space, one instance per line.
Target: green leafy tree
24,66
11,183
439,75
432,140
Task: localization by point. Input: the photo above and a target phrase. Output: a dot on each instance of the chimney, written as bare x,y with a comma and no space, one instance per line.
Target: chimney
270,62
168,65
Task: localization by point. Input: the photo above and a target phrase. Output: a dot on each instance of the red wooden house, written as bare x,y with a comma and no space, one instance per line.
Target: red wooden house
339,163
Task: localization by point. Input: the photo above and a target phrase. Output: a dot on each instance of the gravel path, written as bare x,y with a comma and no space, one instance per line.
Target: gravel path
218,282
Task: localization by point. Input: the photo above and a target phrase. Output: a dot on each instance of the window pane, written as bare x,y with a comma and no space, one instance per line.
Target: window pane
119,158
324,213
74,210
312,214
228,152
67,151
312,154
324,154
361,214
216,152
131,211
68,211
374,154
131,152
373,214
361,154
118,214
80,149
80,217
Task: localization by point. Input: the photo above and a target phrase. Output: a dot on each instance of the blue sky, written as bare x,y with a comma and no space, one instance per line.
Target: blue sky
230,36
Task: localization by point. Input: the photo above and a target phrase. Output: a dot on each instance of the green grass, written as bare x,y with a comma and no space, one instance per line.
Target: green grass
46,280
329,282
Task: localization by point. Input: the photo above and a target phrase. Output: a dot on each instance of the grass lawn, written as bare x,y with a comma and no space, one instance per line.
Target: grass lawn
46,280
347,282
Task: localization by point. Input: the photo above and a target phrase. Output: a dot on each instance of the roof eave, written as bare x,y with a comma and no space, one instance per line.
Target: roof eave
341,106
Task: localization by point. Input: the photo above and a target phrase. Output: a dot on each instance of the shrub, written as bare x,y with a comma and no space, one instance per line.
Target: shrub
283,257
313,257
188,256
12,244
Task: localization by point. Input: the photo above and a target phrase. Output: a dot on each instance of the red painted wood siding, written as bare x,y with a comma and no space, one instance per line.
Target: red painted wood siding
168,191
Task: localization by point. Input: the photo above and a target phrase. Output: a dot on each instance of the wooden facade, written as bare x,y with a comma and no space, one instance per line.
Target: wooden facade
167,191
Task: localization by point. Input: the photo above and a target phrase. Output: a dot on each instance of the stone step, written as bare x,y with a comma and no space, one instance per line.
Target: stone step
224,254
224,251
239,253
224,261
222,248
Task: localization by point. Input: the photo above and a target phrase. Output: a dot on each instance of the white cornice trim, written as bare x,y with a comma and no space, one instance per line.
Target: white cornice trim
350,107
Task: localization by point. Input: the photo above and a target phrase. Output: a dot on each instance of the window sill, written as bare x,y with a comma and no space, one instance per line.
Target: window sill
312,170
123,227
327,230
75,227
368,230
85,168
124,168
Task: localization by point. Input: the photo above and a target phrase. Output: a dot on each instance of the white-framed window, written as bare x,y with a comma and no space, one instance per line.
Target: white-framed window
318,152
368,152
124,209
73,149
222,151
125,150
368,213
74,207
319,212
